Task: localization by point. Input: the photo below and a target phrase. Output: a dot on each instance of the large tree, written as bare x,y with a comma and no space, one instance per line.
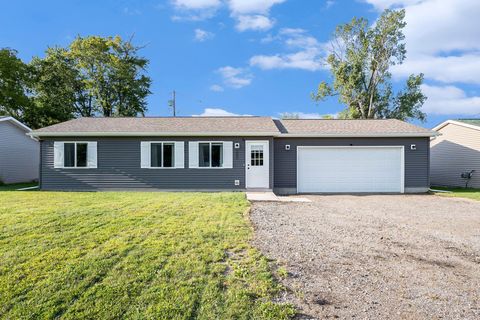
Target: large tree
15,99
360,61
59,91
93,76
112,73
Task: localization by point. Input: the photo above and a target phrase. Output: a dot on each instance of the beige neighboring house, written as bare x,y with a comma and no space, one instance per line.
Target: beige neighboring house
19,153
456,150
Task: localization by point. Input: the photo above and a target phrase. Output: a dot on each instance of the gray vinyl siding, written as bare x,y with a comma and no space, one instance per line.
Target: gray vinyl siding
456,150
119,168
416,161
19,155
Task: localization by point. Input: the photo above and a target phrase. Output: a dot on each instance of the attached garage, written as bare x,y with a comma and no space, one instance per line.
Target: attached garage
351,156
341,169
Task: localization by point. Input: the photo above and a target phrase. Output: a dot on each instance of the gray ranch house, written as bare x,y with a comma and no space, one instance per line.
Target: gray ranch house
235,153
19,153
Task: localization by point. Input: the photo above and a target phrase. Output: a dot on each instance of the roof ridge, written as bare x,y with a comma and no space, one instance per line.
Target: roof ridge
172,117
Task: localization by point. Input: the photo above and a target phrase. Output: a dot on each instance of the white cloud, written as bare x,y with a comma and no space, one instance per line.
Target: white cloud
253,22
249,14
442,42
216,88
446,69
384,4
252,6
252,14
218,112
303,115
195,10
196,4
308,53
443,45
329,3
235,77
449,100
202,35
454,26
131,12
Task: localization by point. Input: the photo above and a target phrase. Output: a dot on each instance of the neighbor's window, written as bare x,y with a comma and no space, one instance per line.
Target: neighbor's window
162,155
75,155
210,154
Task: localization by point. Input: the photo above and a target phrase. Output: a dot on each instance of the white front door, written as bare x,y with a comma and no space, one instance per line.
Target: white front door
257,164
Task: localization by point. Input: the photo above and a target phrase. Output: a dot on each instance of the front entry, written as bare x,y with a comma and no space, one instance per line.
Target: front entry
257,164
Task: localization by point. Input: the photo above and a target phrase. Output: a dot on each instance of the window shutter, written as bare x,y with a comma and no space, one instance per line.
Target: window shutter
228,154
145,154
92,154
58,151
179,154
193,154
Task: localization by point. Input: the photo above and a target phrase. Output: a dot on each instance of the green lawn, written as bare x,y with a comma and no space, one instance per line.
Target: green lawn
15,186
460,192
132,255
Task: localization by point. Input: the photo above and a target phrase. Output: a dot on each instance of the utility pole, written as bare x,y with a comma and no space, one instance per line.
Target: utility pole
171,104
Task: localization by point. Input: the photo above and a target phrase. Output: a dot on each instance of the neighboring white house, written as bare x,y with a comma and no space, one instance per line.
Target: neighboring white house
19,153
455,151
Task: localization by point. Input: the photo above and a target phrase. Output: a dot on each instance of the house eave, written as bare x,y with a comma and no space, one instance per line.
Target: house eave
231,134
17,123
458,123
359,135
151,134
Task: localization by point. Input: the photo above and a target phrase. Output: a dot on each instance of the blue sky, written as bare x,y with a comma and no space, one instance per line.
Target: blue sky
259,57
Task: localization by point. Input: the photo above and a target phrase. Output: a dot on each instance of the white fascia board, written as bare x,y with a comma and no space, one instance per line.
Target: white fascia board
17,123
359,135
458,123
151,134
232,134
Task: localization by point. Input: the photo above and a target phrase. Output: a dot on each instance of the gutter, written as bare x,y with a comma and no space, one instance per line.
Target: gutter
359,135
233,134
151,134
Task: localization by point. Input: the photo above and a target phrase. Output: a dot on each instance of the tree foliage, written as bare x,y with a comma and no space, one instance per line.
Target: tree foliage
113,75
14,84
93,76
360,61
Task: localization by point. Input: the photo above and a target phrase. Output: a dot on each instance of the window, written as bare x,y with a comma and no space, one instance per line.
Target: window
210,154
75,155
162,155
256,156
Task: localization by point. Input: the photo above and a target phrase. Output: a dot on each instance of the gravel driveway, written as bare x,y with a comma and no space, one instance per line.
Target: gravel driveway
376,256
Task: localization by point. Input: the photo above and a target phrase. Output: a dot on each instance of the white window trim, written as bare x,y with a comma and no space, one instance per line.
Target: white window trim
162,168
75,155
210,167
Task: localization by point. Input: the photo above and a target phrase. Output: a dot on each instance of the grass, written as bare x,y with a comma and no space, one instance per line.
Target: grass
469,193
15,186
133,256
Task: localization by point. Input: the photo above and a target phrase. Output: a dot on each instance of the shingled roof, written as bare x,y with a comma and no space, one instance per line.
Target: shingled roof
320,127
231,126
171,126
473,122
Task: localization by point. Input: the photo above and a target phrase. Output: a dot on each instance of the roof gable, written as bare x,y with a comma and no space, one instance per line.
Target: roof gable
15,122
467,123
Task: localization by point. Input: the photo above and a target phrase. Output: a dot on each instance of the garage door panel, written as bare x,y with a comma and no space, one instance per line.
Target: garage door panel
350,169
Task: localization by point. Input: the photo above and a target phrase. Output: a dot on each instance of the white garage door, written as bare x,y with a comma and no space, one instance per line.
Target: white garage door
350,169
